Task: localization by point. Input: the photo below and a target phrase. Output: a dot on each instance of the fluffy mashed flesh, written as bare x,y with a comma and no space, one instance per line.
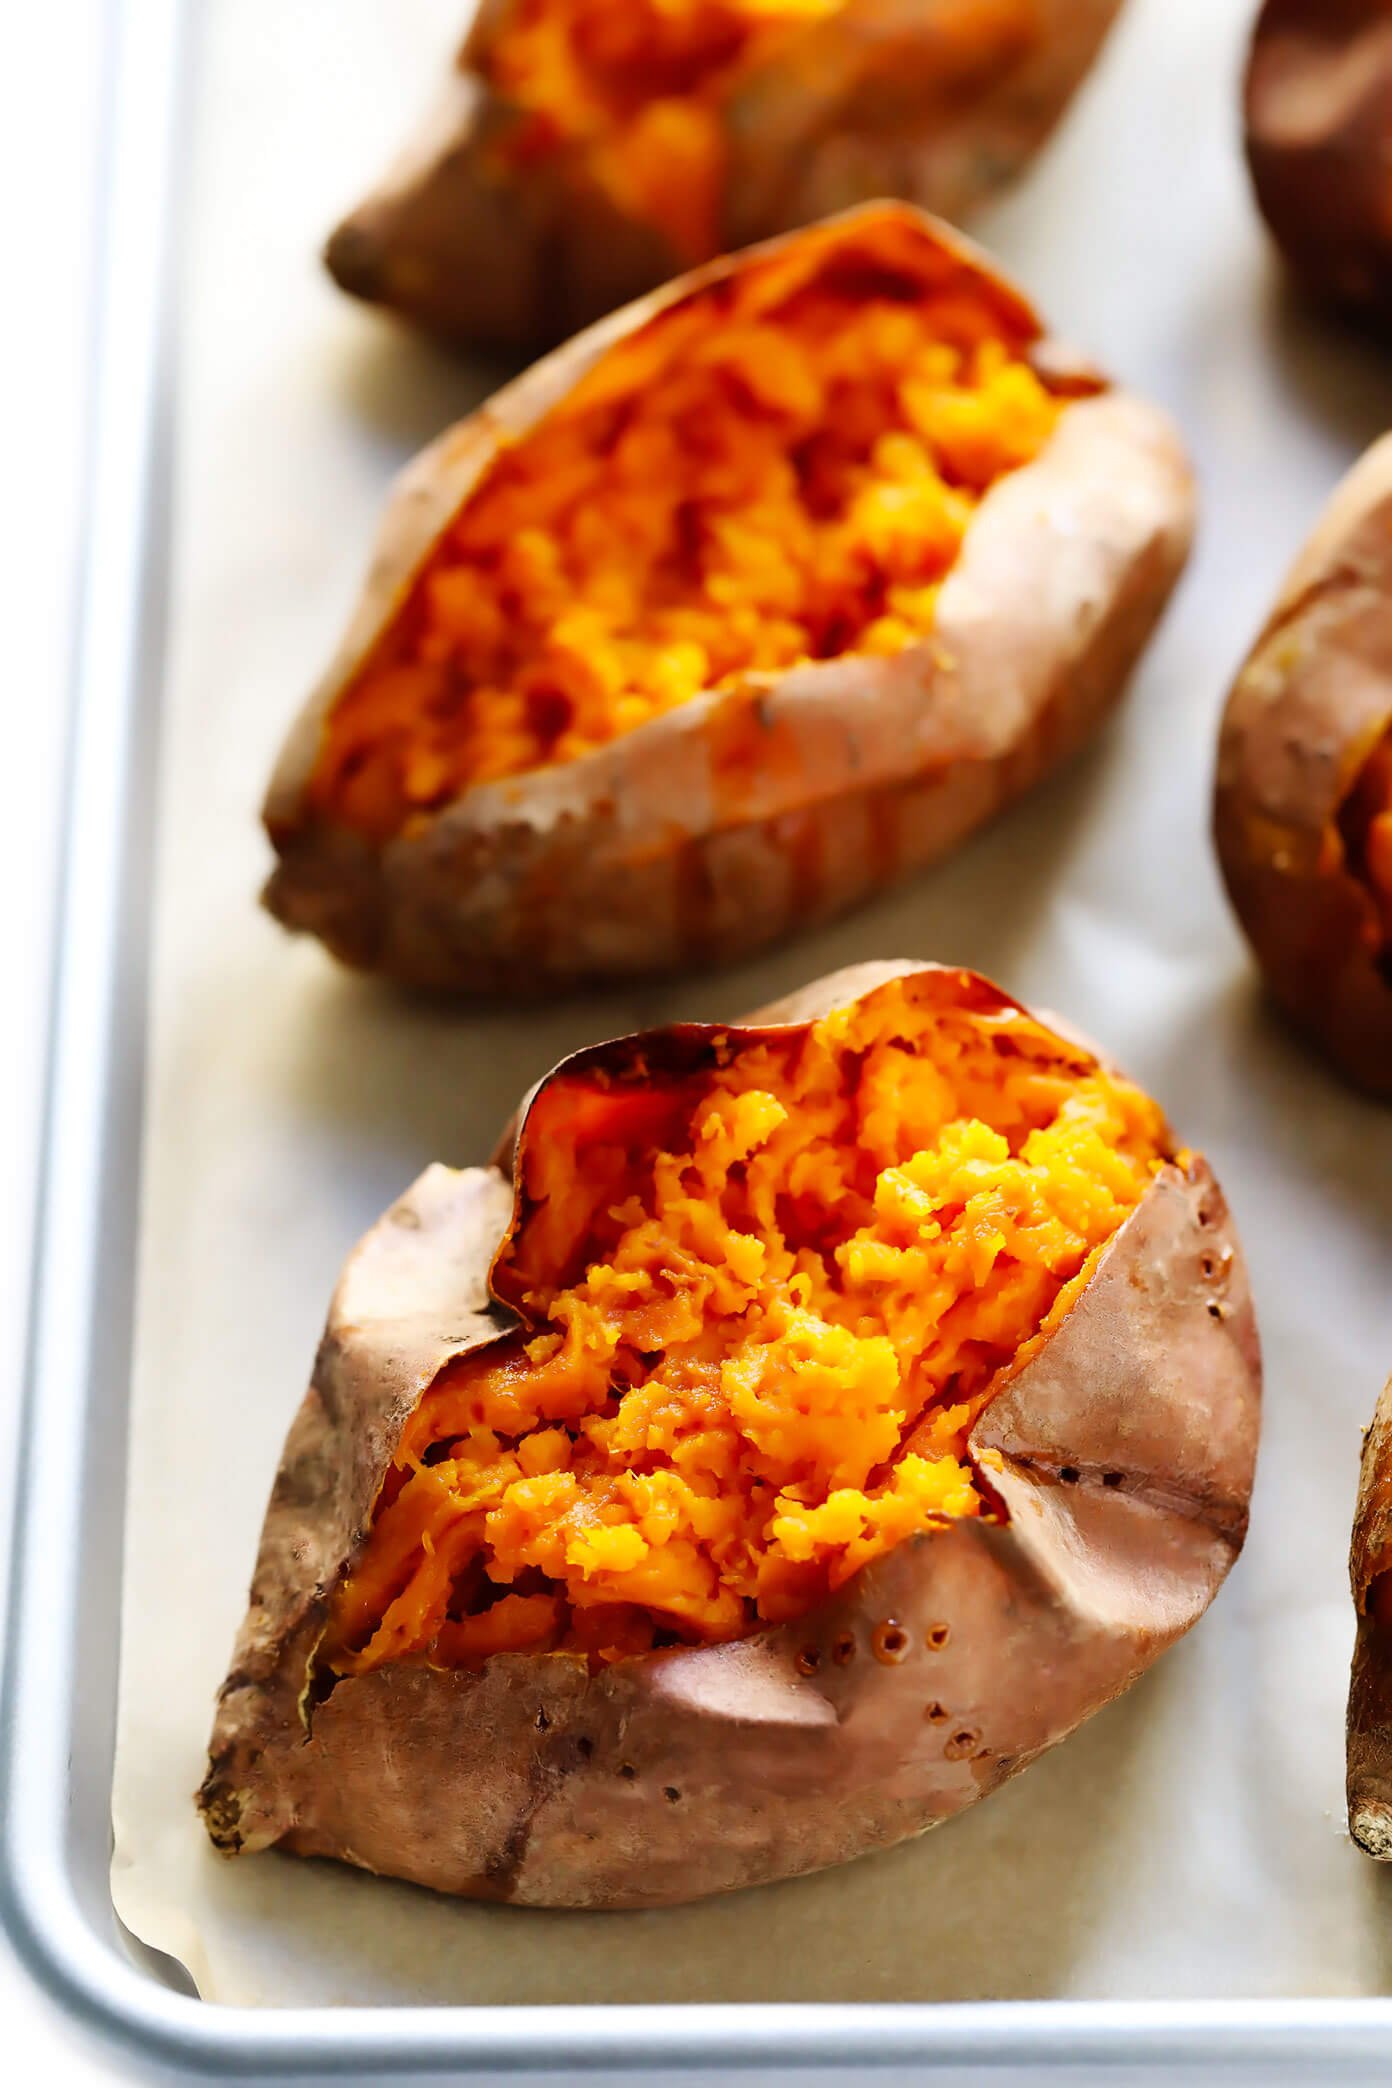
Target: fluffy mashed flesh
749,482
1367,836
635,88
763,1306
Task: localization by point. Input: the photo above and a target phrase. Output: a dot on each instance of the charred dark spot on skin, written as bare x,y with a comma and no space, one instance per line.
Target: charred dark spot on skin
584,1747
889,1642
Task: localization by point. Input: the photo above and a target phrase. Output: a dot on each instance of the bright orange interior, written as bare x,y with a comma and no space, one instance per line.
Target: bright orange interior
636,87
741,486
1366,826
763,1305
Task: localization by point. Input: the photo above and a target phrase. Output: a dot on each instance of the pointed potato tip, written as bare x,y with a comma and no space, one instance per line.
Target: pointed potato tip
1370,1824
353,257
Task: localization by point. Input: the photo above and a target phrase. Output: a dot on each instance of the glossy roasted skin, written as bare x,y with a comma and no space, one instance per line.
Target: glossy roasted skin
785,797
1318,110
1309,712
1370,1685
1119,1450
482,238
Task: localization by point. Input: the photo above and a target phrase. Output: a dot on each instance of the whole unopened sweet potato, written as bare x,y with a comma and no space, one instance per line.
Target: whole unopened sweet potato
758,595
586,150
808,1423
1318,108
1303,809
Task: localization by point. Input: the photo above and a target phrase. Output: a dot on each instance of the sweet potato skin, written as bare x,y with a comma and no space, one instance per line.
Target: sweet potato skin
1309,704
715,829
1318,124
1122,1447
942,102
1370,1683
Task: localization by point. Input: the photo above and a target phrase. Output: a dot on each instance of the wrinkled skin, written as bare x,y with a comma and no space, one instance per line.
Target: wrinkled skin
1120,1449
1318,110
722,825
1370,1686
941,102
1310,703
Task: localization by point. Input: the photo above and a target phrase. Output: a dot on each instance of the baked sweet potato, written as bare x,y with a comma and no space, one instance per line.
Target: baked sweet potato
1318,107
1303,807
759,594
584,151
810,1423
1370,1687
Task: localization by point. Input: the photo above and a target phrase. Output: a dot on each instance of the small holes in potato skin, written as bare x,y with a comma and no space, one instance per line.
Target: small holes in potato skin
889,1642
541,1722
584,1747
807,1660
843,1648
1215,1312
937,1637
627,1771
962,1743
936,1714
671,1794
1113,1478
1069,1474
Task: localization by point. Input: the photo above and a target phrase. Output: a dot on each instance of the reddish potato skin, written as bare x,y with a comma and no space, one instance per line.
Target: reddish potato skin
1125,1443
1370,1684
727,823
941,102
1310,703
1318,114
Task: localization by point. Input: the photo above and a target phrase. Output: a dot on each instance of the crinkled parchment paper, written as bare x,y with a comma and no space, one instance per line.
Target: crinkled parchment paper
1189,1842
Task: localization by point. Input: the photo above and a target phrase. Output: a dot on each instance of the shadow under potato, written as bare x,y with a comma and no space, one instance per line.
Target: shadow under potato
1336,369
406,389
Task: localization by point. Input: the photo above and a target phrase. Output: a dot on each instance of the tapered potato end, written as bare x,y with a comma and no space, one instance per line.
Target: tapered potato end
1370,1688
456,244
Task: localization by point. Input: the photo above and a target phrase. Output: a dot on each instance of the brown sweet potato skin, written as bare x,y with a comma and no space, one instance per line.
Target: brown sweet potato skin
941,102
721,826
1310,703
1370,1684
1126,1442
1318,118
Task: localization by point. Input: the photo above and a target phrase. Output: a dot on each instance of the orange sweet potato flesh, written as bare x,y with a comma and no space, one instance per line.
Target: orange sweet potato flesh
1079,1289
736,492
585,151
754,1345
762,594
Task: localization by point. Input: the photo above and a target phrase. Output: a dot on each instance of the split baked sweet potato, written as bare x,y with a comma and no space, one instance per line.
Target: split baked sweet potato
1303,808
809,1423
761,593
584,151
1370,1687
1318,108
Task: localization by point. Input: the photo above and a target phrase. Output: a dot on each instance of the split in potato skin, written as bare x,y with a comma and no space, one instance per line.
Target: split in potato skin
636,87
1365,834
742,486
762,1307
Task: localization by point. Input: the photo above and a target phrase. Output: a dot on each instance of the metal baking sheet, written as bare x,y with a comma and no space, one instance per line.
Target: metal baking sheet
1168,1891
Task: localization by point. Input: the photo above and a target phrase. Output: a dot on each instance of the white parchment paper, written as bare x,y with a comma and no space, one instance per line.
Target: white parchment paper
1189,1842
